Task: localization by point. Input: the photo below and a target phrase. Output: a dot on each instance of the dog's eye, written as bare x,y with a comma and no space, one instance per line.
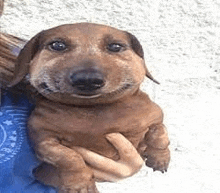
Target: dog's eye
58,46
115,47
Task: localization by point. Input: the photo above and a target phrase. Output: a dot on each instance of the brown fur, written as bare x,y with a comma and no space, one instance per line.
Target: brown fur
66,117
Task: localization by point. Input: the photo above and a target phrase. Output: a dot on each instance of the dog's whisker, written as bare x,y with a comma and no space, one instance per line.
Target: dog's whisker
45,87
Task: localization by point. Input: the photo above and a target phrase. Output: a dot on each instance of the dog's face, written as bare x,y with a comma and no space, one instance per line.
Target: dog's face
83,64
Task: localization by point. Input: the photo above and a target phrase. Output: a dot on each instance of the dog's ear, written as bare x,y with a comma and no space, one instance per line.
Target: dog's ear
24,58
136,46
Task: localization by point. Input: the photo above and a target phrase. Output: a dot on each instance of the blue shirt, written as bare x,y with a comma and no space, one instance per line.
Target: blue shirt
17,158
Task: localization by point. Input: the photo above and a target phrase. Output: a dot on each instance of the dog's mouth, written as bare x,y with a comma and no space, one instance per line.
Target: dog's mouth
46,90
86,96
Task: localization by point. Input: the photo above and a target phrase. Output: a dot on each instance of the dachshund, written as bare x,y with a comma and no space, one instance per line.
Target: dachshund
88,79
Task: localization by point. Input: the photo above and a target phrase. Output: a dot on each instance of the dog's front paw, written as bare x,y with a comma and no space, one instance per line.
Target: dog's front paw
79,188
77,182
158,159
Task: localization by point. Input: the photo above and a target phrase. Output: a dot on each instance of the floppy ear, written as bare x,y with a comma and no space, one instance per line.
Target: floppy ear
136,46
24,58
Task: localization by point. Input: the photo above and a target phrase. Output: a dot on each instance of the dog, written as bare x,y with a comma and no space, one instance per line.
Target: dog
88,78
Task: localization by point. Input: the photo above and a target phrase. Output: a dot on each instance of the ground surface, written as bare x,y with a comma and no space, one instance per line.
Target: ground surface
181,40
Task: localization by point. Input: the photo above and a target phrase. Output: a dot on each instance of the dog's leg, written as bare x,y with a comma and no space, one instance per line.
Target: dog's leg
74,175
156,151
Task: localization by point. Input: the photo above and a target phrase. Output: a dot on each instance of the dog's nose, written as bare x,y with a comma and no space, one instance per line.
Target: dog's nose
87,80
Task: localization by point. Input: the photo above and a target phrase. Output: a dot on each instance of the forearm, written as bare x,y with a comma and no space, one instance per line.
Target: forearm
10,47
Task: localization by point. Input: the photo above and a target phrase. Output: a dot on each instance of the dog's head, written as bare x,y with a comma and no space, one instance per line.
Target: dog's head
83,64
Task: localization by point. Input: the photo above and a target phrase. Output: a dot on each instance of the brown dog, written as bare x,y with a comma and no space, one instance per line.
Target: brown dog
88,76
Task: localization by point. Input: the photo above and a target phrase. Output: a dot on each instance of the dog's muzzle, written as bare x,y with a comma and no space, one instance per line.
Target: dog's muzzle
87,81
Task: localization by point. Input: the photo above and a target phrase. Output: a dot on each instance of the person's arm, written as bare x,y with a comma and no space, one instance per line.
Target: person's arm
10,46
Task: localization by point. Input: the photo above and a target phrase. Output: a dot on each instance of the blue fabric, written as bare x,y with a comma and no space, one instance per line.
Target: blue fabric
17,159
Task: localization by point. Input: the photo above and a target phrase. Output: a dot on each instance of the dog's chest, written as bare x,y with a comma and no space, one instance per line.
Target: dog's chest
96,120
87,126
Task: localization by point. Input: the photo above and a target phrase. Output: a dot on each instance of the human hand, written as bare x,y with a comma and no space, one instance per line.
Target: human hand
106,169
